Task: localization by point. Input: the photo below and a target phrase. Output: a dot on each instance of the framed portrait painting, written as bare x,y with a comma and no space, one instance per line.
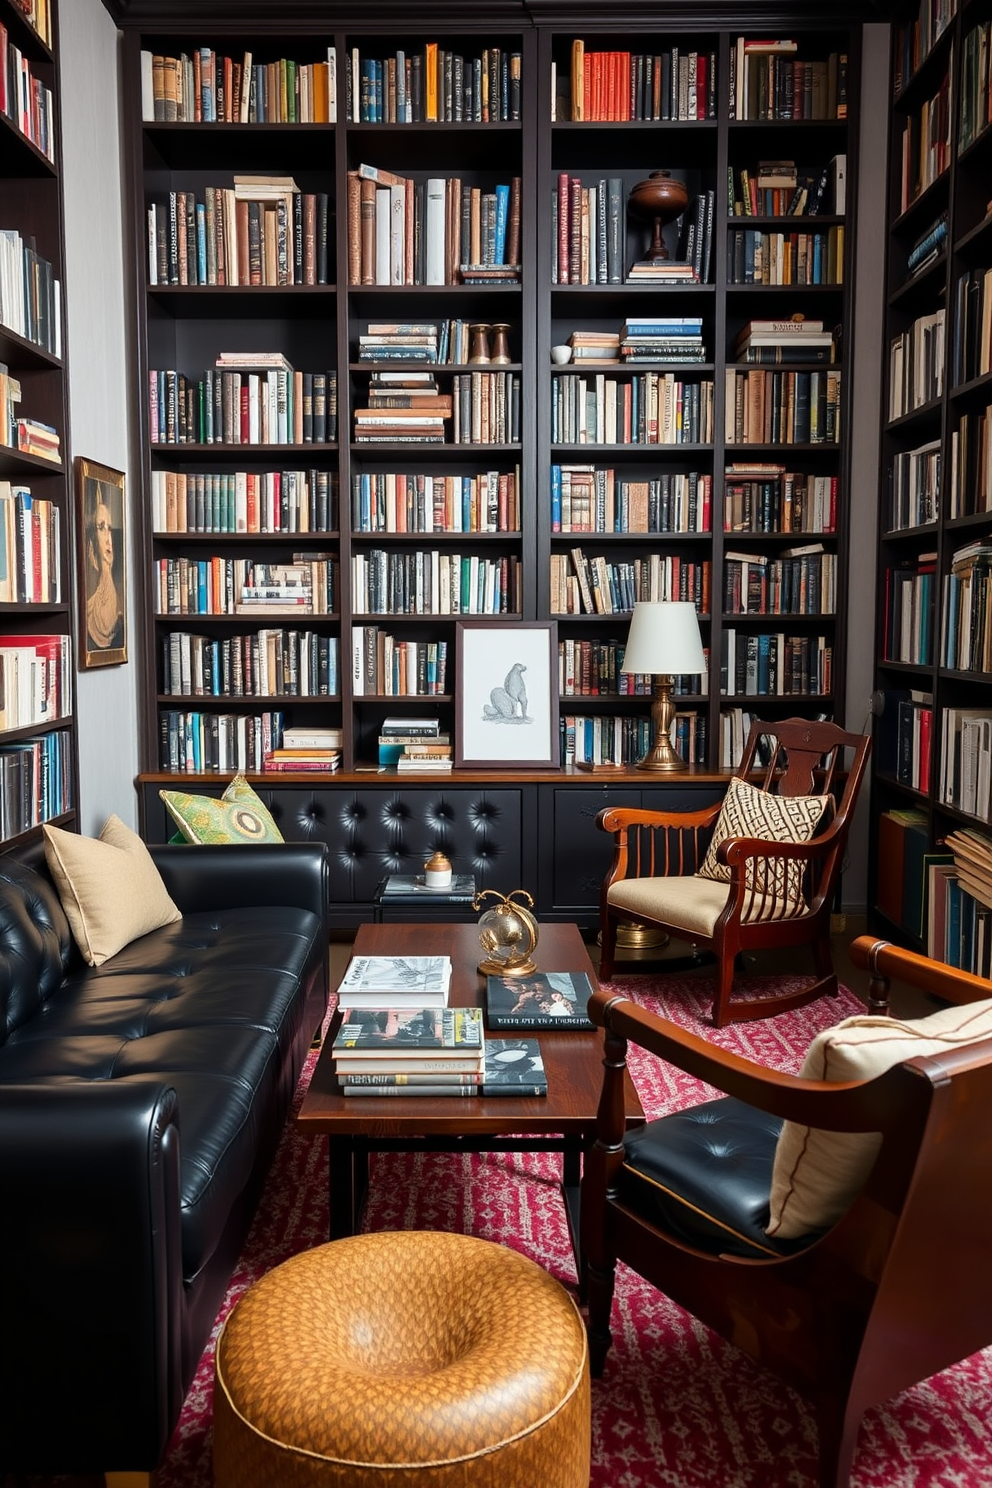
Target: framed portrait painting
101,548
507,700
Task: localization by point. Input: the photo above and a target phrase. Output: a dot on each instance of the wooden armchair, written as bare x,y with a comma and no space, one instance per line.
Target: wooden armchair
749,891
896,1288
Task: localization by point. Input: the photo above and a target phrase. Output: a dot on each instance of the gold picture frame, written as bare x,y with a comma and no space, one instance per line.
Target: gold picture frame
101,558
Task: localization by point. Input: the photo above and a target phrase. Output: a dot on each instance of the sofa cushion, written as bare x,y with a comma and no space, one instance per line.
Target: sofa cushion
35,943
817,1174
238,816
748,811
110,889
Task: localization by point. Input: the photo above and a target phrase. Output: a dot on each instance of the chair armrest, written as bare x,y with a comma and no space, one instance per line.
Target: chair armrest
293,874
619,818
850,1106
886,961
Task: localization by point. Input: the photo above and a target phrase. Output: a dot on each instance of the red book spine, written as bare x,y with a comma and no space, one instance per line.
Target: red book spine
245,423
563,227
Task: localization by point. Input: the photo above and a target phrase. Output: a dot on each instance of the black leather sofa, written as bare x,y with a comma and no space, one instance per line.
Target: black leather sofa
141,1103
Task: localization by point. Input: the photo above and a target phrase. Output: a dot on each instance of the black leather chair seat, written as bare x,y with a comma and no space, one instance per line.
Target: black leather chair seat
209,1007
710,1194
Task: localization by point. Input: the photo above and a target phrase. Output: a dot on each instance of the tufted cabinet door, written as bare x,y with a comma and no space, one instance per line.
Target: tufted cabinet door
396,831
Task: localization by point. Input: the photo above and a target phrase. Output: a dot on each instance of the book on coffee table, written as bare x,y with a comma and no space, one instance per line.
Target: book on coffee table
412,1034
512,1067
545,999
395,981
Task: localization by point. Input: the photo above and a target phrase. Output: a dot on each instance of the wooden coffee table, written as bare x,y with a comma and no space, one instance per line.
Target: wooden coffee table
562,1121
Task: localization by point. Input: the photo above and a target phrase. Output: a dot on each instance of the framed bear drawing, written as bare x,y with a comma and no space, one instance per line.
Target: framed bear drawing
506,694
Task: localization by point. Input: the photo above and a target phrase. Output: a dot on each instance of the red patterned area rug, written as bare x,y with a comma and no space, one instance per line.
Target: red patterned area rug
677,1406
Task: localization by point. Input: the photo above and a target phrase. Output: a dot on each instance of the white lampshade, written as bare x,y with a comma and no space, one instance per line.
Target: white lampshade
664,639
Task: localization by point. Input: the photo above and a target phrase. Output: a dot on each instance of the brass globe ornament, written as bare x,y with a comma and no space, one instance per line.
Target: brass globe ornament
508,934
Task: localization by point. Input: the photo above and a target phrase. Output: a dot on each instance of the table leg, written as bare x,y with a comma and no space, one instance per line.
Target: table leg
571,1187
341,1159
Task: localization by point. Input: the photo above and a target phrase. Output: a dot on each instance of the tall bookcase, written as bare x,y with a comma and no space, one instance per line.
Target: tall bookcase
934,669
531,152
38,771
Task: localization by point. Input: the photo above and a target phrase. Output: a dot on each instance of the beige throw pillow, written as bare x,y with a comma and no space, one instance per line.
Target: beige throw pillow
110,889
817,1174
748,811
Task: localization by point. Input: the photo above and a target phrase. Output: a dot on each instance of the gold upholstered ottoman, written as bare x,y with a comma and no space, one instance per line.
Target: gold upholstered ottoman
402,1358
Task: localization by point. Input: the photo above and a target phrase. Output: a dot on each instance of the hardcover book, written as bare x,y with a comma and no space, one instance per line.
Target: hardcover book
395,981
408,1033
513,1067
545,999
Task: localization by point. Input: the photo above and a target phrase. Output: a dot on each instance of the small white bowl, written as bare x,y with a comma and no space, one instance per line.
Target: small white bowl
560,355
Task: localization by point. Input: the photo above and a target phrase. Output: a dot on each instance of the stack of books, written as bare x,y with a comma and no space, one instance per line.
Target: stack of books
595,347
403,407
662,338
303,586
795,340
414,744
398,341
663,271
395,983
423,1050
307,749
35,438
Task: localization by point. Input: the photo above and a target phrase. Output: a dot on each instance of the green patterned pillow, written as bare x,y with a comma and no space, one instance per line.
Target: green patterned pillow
238,816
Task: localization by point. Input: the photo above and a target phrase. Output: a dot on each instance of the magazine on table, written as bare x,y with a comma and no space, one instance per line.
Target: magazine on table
401,981
512,1067
408,1033
545,999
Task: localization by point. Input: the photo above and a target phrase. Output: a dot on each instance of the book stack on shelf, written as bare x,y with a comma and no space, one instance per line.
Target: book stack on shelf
595,348
35,685
763,497
966,761
24,97
620,85
769,80
265,663
910,592
30,538
414,744
244,501
772,407
30,292
662,338
960,898
246,398
404,411
304,748
967,609
432,84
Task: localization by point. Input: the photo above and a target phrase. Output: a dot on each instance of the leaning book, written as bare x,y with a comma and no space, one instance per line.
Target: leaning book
400,981
411,1033
545,999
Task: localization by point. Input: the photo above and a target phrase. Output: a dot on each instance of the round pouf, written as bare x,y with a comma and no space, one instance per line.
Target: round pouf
402,1358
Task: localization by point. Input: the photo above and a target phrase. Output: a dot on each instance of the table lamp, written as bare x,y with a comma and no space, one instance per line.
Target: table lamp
663,640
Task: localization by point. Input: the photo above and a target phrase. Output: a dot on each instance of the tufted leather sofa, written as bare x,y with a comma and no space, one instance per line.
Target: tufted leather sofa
140,1106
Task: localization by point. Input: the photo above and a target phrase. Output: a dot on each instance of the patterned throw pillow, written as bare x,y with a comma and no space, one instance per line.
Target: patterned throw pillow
748,811
817,1174
238,816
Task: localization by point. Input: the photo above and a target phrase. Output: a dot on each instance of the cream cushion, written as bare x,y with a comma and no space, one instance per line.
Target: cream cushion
110,889
691,904
817,1174
748,811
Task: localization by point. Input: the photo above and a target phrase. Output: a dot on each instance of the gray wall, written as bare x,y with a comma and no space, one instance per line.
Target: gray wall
98,371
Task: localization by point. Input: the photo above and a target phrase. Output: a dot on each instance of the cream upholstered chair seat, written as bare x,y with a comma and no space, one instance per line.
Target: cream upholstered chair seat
691,904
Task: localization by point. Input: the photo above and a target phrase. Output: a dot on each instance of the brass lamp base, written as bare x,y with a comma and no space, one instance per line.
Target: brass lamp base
662,757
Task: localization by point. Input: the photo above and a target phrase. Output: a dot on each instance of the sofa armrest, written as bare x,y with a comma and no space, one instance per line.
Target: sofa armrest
90,1248
295,874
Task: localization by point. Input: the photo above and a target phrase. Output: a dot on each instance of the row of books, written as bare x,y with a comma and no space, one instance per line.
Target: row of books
976,84
593,669
767,498
398,501
768,80
486,408
35,782
970,475
925,144
765,407
778,189
755,257
35,679
966,912
206,87
967,610
659,338
914,731
413,744
916,35
799,581
25,98
971,342
594,585
304,585
775,664
735,725
250,404
274,662
263,230
928,247
28,435
194,743
589,230
590,498
617,86
38,14
30,292
907,633
434,85
244,501
622,740
434,583
30,547
966,761
440,231
649,408
383,666
774,341
308,748
914,491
